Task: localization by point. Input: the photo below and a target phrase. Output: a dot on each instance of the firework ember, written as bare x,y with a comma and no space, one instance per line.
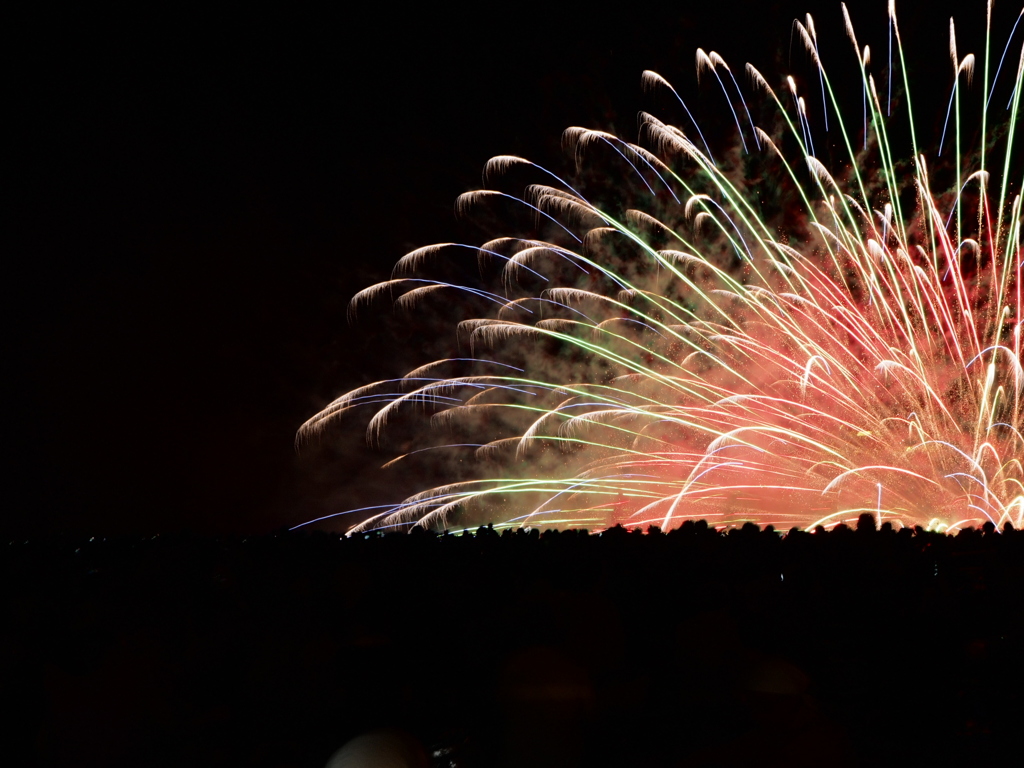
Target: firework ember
794,331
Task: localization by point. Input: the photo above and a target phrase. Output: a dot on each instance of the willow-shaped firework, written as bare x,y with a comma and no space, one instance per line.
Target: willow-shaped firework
753,337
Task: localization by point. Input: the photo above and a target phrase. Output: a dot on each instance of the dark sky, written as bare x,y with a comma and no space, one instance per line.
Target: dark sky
197,195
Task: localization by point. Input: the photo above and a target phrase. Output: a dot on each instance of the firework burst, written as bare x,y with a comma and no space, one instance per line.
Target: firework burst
771,334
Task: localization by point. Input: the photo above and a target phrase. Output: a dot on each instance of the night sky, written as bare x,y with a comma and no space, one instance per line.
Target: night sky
198,194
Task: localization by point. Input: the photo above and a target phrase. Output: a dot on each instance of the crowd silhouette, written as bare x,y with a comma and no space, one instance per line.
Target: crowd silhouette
696,647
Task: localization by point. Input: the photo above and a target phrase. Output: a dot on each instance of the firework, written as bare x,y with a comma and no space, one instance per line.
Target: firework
772,333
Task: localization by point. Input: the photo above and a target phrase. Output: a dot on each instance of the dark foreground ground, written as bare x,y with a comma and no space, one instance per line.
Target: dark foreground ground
852,647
